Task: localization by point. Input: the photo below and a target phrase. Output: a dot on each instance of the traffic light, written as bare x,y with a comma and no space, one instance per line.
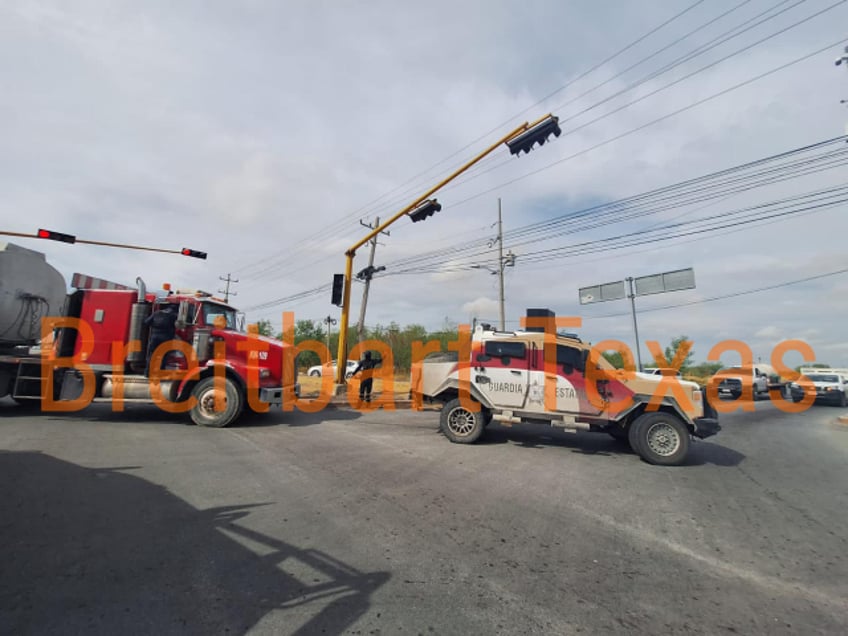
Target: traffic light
338,289
368,272
427,208
537,134
57,236
196,254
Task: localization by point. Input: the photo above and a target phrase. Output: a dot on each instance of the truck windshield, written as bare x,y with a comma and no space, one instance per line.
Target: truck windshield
214,311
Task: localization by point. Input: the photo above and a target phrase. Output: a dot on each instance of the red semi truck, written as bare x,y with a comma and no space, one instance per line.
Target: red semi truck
99,350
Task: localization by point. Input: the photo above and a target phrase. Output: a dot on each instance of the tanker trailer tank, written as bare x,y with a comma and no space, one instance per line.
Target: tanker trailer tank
30,289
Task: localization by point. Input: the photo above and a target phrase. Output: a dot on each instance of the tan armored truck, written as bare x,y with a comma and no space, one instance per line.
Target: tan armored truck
513,378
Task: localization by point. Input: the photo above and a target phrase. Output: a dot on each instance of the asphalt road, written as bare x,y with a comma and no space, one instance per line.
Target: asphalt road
344,522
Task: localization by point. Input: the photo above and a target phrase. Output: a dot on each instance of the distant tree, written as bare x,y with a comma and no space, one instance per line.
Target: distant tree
813,365
309,330
614,358
265,328
705,369
671,351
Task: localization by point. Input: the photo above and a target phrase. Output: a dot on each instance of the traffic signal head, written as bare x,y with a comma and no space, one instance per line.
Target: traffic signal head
196,254
368,272
338,289
537,134
56,236
427,208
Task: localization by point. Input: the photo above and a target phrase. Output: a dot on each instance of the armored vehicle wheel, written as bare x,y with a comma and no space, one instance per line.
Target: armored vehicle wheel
460,425
204,413
660,438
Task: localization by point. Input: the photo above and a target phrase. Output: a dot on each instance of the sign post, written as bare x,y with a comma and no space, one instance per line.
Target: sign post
675,280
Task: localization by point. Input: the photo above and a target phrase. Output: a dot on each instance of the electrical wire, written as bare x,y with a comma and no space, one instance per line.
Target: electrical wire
371,206
653,122
768,170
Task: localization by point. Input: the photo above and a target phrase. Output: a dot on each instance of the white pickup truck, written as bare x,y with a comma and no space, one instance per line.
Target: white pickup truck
760,377
506,379
830,385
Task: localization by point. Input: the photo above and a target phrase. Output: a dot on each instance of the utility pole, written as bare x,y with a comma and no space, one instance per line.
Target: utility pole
503,263
330,322
501,266
632,297
226,291
367,274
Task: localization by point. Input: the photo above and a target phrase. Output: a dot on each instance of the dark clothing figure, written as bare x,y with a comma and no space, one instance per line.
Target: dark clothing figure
366,365
163,327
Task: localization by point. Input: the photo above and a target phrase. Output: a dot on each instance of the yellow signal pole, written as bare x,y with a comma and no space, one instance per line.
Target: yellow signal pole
351,252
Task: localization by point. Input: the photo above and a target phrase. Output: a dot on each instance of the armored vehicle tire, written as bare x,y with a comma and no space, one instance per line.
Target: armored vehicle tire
632,437
204,414
660,438
460,425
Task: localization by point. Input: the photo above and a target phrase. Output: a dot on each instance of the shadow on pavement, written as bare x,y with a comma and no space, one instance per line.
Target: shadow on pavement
151,414
99,551
539,436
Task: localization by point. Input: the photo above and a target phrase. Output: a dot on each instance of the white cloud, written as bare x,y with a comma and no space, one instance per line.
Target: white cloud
482,307
769,333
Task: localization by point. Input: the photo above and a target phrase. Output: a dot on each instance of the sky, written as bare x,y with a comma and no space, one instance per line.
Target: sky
265,133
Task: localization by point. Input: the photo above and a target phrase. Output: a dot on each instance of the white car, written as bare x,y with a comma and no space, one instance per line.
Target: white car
319,370
661,371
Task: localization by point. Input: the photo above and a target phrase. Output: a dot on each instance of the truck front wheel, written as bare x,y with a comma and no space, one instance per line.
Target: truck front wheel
204,413
660,438
459,424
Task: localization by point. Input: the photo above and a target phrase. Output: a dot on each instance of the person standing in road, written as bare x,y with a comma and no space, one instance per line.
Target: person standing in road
163,327
366,365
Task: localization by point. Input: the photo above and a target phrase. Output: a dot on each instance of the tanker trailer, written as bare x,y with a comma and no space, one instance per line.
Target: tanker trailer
30,289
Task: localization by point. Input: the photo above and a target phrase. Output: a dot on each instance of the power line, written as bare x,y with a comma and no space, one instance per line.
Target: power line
371,204
273,266
660,119
666,197
653,75
789,206
794,163
664,117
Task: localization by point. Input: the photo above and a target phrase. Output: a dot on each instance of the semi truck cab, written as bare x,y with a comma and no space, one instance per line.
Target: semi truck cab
111,340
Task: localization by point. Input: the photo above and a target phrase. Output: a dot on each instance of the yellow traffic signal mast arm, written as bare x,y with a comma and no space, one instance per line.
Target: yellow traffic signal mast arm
546,128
